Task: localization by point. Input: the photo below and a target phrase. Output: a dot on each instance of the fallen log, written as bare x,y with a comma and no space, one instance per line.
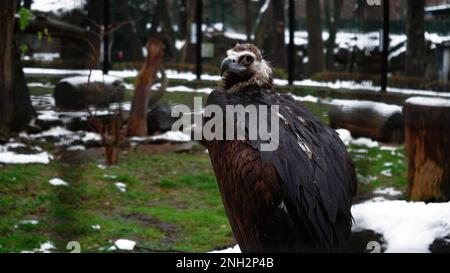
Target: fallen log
76,93
375,120
427,144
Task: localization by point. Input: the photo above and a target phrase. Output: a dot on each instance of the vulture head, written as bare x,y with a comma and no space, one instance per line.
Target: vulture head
244,66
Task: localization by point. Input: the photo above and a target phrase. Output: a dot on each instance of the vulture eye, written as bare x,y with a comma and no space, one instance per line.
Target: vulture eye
247,59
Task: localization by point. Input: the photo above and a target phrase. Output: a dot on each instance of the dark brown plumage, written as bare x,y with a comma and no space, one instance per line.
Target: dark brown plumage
296,198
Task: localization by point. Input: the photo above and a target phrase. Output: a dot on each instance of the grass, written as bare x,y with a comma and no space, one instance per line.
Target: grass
161,209
172,202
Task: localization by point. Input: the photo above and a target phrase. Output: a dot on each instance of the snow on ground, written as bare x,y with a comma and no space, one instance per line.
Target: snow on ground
121,186
43,248
14,158
65,136
409,227
46,56
96,227
57,5
307,98
182,88
58,182
347,138
189,76
43,102
405,226
29,222
382,108
432,102
124,244
95,77
234,249
390,191
76,148
176,136
8,156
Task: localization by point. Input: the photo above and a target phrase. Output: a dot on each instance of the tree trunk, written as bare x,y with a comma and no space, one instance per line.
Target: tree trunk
167,27
316,56
187,14
279,44
333,19
248,20
368,120
427,144
15,105
126,39
262,24
416,47
137,122
112,155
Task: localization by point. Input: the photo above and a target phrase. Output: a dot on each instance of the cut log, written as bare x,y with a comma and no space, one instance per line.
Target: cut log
427,144
378,121
75,93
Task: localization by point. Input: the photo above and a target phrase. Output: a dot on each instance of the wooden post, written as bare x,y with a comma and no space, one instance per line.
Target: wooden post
427,144
291,55
198,46
385,63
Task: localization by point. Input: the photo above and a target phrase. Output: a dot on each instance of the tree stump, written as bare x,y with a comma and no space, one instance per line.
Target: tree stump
427,144
375,120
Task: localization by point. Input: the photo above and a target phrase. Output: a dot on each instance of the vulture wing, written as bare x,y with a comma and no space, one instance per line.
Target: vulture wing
317,176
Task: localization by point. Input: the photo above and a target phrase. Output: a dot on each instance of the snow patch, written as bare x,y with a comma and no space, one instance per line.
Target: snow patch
382,108
58,182
29,222
121,186
433,102
7,157
346,138
405,226
57,5
175,136
95,77
96,227
387,191
235,249
124,244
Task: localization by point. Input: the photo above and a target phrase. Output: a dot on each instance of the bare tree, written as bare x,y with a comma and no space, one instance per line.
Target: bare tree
415,30
316,56
262,23
278,42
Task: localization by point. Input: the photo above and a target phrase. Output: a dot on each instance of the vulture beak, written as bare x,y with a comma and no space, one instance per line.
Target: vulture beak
230,65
